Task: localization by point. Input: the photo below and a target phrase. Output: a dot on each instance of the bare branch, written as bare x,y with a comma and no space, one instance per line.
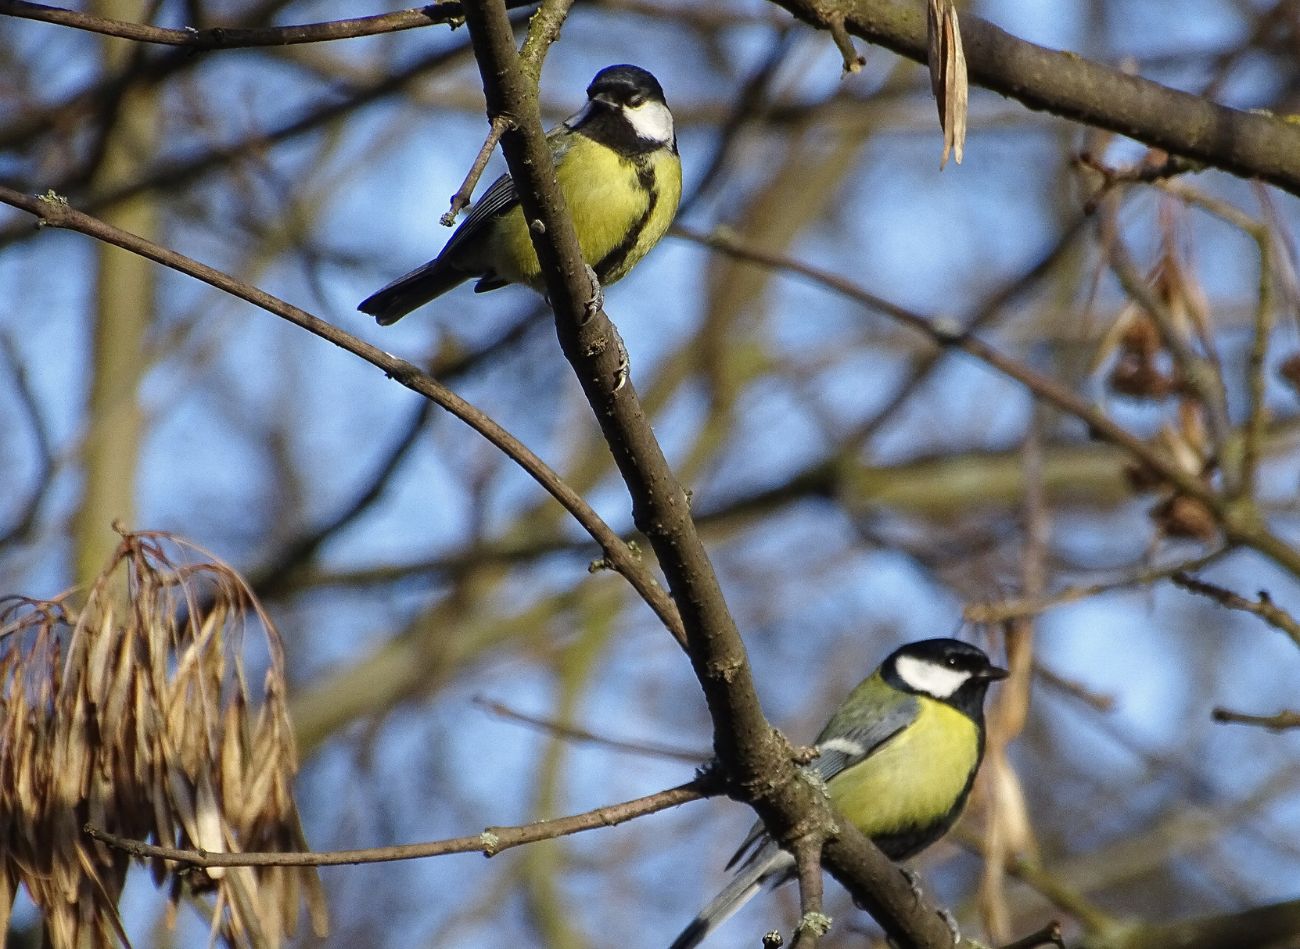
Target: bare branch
460,200
1015,607
1247,143
1264,607
55,212
234,37
542,32
569,732
813,923
938,333
1238,517
492,841
43,481
1280,722
758,763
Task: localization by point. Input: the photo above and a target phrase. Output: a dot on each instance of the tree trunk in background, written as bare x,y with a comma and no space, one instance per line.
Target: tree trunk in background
124,303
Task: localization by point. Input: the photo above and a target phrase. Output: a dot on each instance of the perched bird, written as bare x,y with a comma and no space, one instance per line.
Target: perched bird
616,163
898,758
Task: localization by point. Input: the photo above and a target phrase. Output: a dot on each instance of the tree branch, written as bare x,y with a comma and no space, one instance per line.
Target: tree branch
813,923
1238,517
575,734
492,841
1264,607
1248,144
54,211
235,37
1281,721
751,754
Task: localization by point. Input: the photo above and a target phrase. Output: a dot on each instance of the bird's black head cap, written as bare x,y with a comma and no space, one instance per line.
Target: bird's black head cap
945,669
625,85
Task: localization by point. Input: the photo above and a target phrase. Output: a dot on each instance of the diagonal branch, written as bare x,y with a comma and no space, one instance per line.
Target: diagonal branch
1239,518
53,211
751,754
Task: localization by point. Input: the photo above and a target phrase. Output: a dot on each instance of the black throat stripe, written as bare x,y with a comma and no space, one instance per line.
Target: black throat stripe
645,177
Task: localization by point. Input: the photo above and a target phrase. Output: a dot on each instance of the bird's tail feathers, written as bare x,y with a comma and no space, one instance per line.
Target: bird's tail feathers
413,290
769,863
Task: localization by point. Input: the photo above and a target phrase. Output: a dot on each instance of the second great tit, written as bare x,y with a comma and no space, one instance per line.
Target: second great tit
616,164
898,758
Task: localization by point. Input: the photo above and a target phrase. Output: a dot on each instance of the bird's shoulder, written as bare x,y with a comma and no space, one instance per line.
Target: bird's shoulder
867,720
872,715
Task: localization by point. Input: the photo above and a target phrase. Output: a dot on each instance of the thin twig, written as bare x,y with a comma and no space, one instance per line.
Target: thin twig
813,923
460,200
492,841
1014,607
673,753
1281,721
55,212
1099,702
1195,370
1256,380
852,59
1264,607
1140,172
43,480
543,30
235,37
1239,518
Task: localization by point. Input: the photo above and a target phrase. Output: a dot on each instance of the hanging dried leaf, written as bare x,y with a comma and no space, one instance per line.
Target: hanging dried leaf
1181,516
948,79
1289,370
134,715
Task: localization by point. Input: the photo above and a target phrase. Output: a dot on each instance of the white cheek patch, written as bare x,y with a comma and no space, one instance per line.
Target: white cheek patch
930,678
651,121
845,746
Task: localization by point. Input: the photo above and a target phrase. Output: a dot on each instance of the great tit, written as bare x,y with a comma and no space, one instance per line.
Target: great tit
898,758
616,163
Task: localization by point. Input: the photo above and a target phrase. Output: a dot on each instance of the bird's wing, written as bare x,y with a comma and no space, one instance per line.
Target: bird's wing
501,196
846,740
497,199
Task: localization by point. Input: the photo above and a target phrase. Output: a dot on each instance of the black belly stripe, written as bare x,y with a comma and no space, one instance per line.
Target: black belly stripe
645,177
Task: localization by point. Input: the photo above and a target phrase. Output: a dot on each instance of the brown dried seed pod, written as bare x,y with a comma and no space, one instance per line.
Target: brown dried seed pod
1181,516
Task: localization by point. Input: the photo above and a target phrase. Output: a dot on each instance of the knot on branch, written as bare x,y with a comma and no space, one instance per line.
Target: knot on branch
818,924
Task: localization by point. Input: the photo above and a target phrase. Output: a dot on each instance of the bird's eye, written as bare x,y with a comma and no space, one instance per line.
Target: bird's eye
636,100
